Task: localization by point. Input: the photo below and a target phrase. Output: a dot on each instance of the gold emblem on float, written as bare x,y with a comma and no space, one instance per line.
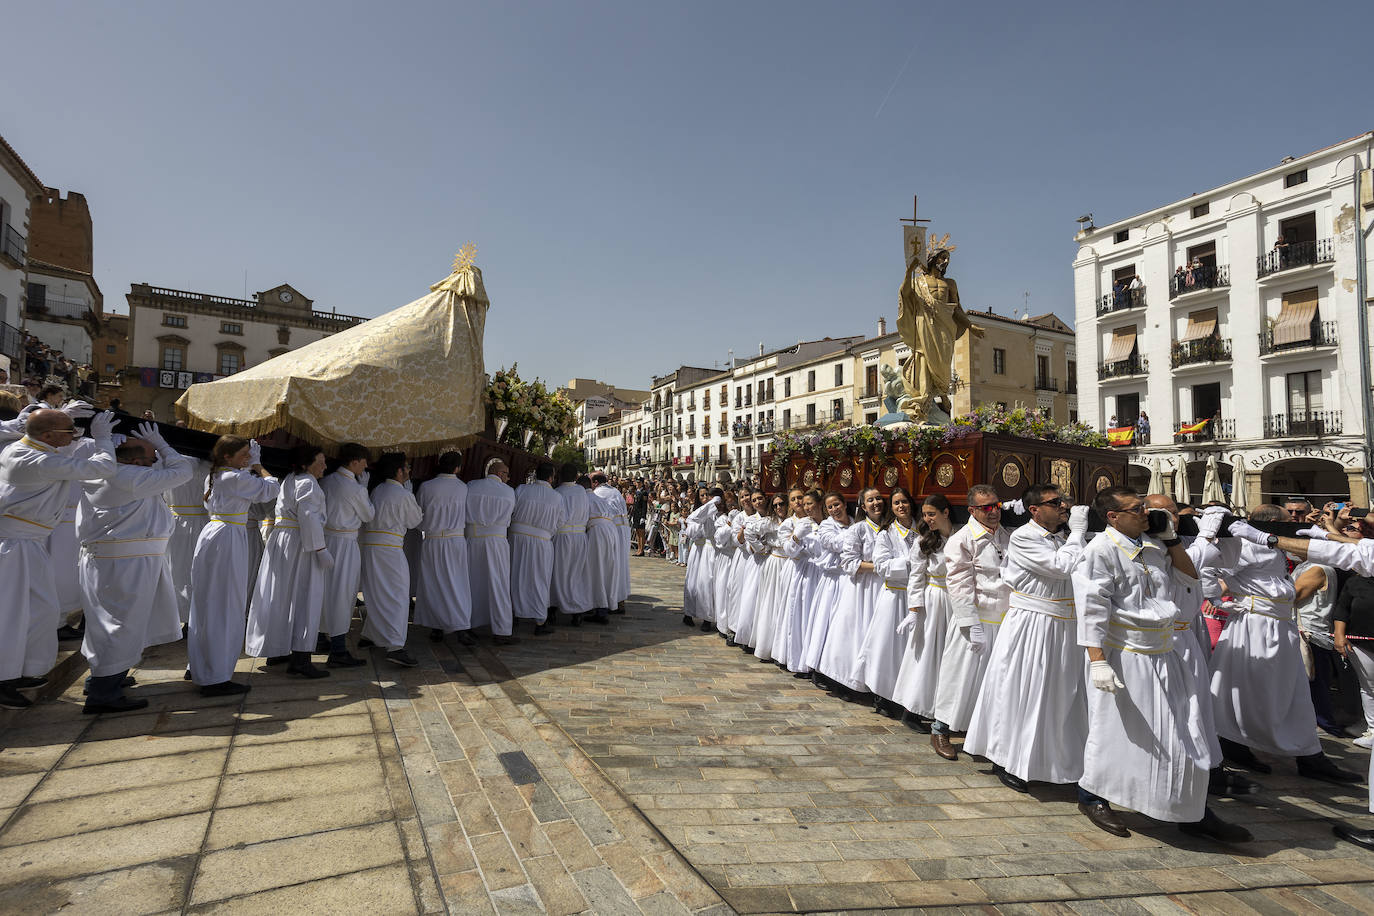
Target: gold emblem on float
809,478
1011,474
777,479
846,477
890,477
944,475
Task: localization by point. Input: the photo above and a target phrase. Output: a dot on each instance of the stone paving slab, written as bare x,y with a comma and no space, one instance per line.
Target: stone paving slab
638,768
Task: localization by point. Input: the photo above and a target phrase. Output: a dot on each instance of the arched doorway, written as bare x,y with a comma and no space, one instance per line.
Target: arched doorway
1314,479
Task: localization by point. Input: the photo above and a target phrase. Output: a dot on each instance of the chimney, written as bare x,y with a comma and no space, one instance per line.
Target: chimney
760,348
882,326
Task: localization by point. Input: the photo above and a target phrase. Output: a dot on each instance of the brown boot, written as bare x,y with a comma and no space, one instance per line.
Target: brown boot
940,742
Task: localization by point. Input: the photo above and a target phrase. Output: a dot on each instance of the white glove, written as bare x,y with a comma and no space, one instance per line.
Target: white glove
1170,532
1210,522
1320,534
803,529
324,559
1247,532
974,634
1014,505
907,623
1104,678
364,478
78,410
254,453
1078,520
149,433
102,425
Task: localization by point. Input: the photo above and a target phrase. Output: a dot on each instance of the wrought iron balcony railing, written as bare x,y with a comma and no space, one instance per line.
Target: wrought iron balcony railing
1307,423
1198,279
1321,334
1136,365
1118,300
1298,254
1046,383
1206,350
13,245
1218,430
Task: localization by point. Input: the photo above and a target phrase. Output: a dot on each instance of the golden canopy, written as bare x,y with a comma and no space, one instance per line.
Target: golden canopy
411,379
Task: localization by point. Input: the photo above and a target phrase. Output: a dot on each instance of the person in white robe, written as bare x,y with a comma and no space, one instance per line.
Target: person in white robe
220,578
187,503
825,547
759,534
569,590
927,622
860,588
776,576
605,541
535,519
880,656
744,500
1148,748
727,547
125,526
1260,696
36,477
65,552
1031,719
288,597
1339,551
385,569
444,602
974,557
347,508
619,556
700,527
789,640
490,504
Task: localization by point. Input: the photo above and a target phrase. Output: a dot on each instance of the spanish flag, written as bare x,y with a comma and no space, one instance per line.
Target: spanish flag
1121,435
1195,428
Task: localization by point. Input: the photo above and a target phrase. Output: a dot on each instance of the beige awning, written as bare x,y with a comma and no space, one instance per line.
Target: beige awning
1201,325
412,379
1294,324
1123,345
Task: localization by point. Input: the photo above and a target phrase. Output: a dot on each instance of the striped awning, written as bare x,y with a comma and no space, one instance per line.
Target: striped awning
1201,325
1294,324
1122,346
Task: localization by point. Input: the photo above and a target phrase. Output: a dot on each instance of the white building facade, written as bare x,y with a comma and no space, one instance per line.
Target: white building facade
18,188
1244,309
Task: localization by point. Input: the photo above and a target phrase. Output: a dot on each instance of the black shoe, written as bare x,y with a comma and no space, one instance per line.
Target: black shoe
542,629
707,626
13,699
67,634
1214,828
465,637
499,640
551,616
86,687
436,635
1363,838
801,674
187,675
917,724
1104,818
1009,780
224,689
343,660
27,683
301,666
1242,756
601,617
365,643
687,619
574,620
277,660
1336,731
730,641
120,704
403,658
1319,766
321,643
1228,784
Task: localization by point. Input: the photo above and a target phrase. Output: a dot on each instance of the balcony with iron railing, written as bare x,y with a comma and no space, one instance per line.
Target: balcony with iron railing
11,341
1216,430
1046,383
1203,351
1321,334
1304,423
723,428
822,417
1199,279
13,246
1298,254
764,428
1121,300
1123,368
1071,385
742,431
691,431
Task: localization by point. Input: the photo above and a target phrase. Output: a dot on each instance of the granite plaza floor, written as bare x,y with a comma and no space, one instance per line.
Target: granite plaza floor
640,768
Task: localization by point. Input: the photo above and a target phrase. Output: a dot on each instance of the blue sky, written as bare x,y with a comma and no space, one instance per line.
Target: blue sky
651,184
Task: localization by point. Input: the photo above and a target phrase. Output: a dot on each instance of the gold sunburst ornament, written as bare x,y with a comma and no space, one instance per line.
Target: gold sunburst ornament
462,261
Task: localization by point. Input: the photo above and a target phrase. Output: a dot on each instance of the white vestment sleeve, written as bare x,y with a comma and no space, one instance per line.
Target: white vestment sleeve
1092,599
1357,557
961,580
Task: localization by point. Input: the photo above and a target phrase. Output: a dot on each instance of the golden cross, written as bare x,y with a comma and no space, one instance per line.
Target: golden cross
463,260
913,219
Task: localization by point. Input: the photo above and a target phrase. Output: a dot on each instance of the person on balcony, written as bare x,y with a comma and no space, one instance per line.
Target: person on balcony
1143,428
1118,294
1281,252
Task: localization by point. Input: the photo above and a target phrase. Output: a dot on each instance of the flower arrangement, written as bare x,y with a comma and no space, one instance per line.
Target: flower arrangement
528,409
832,443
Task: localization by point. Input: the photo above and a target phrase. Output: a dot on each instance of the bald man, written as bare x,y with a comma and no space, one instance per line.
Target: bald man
490,502
36,475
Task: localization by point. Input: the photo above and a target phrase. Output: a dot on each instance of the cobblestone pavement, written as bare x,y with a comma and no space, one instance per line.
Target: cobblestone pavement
639,768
